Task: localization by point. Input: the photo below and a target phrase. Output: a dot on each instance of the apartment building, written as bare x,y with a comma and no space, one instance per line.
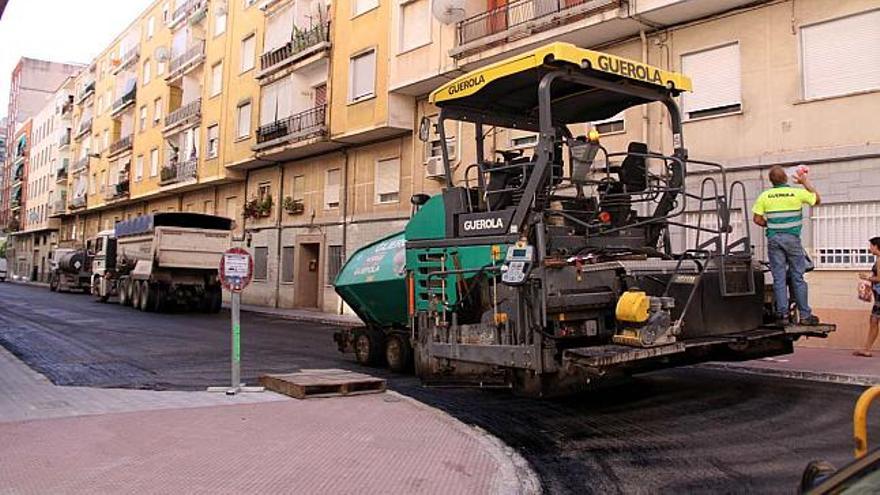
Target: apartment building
296,118
32,84
19,162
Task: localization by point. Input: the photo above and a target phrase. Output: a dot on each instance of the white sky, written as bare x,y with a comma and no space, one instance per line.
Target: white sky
60,31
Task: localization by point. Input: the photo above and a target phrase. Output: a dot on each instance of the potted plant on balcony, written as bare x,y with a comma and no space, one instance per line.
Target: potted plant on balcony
250,208
293,206
168,173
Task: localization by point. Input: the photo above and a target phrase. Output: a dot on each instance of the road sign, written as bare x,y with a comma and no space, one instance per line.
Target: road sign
236,269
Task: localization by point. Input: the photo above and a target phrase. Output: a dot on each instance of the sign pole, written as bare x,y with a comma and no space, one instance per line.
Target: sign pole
236,270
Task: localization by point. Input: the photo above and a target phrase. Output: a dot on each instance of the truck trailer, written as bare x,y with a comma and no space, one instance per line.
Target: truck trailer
553,270
155,261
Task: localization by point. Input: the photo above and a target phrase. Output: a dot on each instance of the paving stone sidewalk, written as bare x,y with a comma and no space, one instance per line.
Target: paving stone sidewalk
807,363
83,440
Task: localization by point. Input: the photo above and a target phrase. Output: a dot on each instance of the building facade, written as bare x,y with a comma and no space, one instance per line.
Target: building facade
296,118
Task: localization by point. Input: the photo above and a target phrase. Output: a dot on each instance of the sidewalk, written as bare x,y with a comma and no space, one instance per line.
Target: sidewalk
303,315
77,440
817,364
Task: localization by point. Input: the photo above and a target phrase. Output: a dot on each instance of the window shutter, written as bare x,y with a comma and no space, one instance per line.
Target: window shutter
331,187
299,183
279,28
716,77
416,24
248,53
268,103
841,56
387,176
244,120
363,75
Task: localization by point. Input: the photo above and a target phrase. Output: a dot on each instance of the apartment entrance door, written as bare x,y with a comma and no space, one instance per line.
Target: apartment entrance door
308,281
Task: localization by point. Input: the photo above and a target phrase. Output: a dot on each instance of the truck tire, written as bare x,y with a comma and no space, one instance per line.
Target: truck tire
148,296
53,283
96,291
161,295
398,353
124,295
135,288
369,347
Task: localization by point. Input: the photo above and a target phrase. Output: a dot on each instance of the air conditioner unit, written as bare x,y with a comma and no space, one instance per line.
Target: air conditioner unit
434,168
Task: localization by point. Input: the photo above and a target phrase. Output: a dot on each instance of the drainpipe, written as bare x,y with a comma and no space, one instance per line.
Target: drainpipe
344,213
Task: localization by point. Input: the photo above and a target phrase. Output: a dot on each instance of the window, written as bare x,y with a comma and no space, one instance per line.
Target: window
248,53
94,182
716,77
244,120
415,24
261,263
143,118
362,76
840,233
216,78
219,21
287,265
154,162
105,140
524,141
387,183
361,6
610,125
264,191
276,101
840,56
335,260
157,110
139,168
160,67
165,9
279,28
213,141
248,3
151,27
331,188
147,74
299,188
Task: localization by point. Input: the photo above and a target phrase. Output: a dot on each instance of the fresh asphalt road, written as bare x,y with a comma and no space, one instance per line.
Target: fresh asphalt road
688,430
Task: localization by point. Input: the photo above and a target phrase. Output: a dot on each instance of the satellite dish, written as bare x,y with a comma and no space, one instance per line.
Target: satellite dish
448,11
161,54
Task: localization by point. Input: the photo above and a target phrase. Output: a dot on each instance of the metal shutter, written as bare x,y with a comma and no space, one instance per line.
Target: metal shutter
287,265
387,177
279,28
716,77
363,75
331,188
841,56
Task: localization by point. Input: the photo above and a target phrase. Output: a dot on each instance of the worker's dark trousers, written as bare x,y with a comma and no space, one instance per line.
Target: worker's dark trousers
788,263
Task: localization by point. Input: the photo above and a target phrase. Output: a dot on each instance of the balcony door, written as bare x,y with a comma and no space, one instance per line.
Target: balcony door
320,95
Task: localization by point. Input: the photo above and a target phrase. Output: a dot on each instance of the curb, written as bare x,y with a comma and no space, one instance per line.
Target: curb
814,376
28,282
321,318
516,476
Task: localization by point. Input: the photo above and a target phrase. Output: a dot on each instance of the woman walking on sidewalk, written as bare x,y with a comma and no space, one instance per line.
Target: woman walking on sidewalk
874,278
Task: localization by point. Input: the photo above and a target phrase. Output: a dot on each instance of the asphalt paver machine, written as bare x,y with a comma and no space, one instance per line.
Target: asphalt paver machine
551,271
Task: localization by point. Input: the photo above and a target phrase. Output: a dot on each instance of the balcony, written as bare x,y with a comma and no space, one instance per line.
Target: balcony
304,125
78,202
87,90
189,60
186,116
61,174
304,44
118,191
521,18
67,108
194,10
127,60
125,102
85,127
176,172
81,164
18,172
123,144
59,207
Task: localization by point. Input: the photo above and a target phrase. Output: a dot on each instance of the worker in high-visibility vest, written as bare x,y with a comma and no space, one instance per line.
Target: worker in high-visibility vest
780,211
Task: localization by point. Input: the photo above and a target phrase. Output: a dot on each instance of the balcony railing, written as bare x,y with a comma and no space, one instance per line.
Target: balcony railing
173,173
128,58
67,107
123,144
81,164
117,191
88,89
78,202
190,8
191,58
60,174
59,207
64,140
311,123
124,102
529,15
290,51
85,126
191,112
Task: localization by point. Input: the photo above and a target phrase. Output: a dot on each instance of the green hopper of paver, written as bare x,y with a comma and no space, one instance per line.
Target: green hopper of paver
373,282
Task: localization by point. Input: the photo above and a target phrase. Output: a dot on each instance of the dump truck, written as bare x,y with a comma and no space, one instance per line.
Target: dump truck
70,270
160,260
552,271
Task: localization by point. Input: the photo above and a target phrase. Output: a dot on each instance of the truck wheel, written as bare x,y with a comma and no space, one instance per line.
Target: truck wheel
148,296
123,292
398,353
53,283
369,347
135,288
161,294
96,291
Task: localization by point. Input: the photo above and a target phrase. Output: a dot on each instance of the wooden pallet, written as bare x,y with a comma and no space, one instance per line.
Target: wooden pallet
306,384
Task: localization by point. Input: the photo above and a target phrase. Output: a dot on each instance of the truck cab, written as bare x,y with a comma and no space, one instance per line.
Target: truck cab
103,282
